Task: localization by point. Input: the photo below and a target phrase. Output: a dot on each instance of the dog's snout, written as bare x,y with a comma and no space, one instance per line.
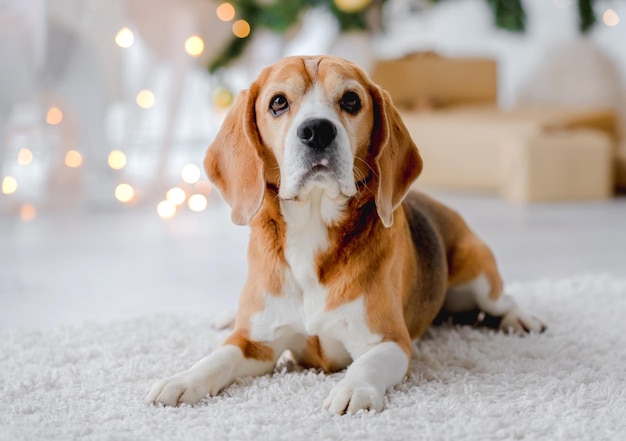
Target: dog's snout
317,133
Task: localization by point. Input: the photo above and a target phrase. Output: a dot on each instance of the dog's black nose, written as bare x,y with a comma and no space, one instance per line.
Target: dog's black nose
317,133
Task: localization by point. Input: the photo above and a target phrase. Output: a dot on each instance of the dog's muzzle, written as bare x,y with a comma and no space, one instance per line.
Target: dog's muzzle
317,133
318,160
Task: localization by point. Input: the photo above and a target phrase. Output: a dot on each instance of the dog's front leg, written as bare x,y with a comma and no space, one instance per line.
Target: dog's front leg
367,378
238,357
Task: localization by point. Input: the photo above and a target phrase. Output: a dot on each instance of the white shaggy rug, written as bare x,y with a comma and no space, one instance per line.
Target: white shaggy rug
88,382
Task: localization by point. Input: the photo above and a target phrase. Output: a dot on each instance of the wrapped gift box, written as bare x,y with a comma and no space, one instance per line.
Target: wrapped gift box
565,165
428,80
524,155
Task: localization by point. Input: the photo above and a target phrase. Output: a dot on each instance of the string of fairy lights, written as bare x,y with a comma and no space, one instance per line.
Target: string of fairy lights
194,194
193,190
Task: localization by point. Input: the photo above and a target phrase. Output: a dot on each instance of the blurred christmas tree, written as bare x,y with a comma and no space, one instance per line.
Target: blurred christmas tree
353,15
279,16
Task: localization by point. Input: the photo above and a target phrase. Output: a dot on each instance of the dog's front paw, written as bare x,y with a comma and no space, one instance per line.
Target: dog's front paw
178,389
347,397
519,322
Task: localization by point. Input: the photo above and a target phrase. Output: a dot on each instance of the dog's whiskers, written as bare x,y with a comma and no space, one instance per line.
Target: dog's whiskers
361,180
368,166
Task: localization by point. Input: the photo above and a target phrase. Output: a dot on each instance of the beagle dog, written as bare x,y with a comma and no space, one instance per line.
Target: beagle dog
346,265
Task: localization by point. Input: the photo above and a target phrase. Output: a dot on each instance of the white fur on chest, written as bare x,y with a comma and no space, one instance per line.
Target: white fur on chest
307,235
300,310
303,297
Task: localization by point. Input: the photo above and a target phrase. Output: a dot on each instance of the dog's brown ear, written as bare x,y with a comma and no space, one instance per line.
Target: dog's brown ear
396,158
233,161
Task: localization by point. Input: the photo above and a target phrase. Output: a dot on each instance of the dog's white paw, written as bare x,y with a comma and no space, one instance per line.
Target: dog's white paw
519,322
350,398
181,388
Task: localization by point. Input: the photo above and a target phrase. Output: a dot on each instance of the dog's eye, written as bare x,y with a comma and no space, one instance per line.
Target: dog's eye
278,104
350,102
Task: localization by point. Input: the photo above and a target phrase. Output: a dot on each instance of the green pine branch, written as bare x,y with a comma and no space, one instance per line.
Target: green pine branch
279,16
587,17
508,15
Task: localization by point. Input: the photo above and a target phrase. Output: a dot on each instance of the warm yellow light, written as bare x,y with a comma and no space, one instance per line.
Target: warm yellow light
223,97
166,209
124,193
124,38
176,195
241,28
24,157
73,159
190,173
225,12
54,116
610,18
202,187
197,202
145,99
9,185
351,6
117,160
194,46
28,212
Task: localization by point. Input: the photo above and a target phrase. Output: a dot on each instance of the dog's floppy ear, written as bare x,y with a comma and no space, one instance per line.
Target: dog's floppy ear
396,157
233,161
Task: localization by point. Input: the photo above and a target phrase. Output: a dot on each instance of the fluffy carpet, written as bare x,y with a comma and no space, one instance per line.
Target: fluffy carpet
88,382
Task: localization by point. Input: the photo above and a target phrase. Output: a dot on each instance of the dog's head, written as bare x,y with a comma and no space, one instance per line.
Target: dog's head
307,123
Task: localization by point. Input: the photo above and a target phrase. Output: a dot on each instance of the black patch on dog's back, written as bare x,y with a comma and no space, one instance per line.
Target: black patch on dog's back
429,248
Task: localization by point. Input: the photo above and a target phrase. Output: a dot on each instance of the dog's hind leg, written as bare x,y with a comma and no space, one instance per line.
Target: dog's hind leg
475,291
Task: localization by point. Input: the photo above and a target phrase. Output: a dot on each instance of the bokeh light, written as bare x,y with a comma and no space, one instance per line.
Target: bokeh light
166,209
24,157
124,193
194,46
241,28
610,18
54,116
225,12
145,99
197,202
190,173
117,160
28,212
202,187
176,195
9,185
73,159
223,97
351,6
124,38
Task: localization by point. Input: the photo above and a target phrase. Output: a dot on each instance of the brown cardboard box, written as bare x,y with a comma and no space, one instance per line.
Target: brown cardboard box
525,155
548,118
554,166
428,80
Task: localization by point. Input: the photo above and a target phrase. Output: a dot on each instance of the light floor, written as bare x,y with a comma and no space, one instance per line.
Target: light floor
63,269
